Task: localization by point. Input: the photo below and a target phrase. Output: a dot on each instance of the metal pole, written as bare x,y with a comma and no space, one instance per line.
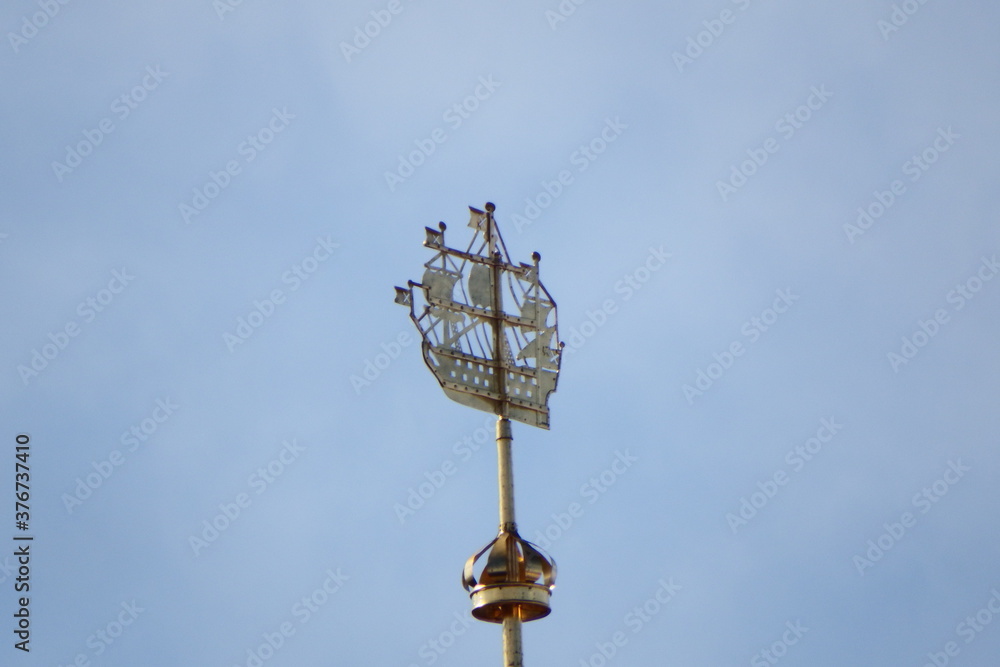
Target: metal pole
513,655
505,475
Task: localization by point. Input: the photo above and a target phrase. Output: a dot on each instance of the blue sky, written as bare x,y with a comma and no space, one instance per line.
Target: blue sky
206,206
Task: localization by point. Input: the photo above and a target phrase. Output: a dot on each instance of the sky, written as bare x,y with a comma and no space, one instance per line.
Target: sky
771,231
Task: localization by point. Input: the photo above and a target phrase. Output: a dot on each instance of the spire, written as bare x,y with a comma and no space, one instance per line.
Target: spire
505,363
